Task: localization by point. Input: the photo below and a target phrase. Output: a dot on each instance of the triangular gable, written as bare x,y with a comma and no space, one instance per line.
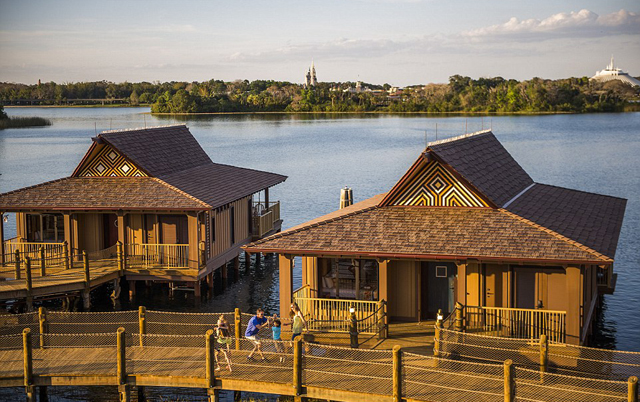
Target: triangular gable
428,183
104,161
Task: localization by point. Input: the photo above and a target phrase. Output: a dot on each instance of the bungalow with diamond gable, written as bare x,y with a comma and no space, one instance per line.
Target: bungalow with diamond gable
178,215
465,224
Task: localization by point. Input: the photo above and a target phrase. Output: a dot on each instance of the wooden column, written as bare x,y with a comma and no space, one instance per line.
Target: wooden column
27,270
210,359
122,232
397,374
461,284
68,235
632,389
142,323
383,280
508,381
297,366
574,299
1,238
286,283
87,281
28,365
194,251
266,198
237,326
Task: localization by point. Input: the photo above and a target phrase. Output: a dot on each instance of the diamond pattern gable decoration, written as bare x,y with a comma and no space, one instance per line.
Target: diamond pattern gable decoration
435,186
110,163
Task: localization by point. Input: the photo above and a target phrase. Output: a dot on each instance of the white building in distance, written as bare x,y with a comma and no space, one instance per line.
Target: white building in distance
611,73
310,79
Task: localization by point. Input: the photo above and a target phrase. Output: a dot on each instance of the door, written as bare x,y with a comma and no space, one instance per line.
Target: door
110,223
173,229
438,282
493,285
524,295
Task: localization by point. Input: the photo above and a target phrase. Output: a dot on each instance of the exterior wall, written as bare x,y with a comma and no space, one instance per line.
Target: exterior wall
403,290
221,233
91,232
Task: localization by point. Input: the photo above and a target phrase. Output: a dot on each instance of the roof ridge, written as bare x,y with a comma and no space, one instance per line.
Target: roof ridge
556,235
122,130
315,224
210,162
38,185
459,137
176,189
582,191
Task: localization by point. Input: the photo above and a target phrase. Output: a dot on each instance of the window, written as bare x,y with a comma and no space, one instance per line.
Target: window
349,279
213,229
232,221
46,228
441,271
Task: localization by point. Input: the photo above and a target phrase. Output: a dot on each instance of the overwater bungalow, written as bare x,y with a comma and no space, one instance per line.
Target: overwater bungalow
465,224
177,215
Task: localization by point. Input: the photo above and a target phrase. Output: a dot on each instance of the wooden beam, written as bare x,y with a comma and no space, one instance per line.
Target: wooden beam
574,299
286,284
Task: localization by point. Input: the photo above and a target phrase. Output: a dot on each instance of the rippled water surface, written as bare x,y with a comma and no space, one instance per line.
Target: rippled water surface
321,154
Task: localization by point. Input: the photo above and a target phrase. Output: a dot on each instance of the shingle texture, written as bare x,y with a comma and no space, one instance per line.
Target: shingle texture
430,232
485,163
143,193
590,219
159,150
218,184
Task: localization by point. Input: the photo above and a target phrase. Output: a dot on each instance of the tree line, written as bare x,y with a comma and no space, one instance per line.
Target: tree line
460,94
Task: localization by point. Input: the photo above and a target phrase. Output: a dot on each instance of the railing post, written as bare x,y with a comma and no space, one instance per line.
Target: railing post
297,366
353,329
120,255
382,320
210,359
17,262
438,335
121,356
87,281
632,392
42,262
142,323
508,381
397,373
238,326
459,317
27,270
544,355
65,253
28,365
42,319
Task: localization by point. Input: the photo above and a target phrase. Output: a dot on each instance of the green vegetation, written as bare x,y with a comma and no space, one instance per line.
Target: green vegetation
19,122
460,95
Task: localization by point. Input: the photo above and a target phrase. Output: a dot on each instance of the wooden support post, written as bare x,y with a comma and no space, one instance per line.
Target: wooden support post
236,268
86,293
42,262
28,357
210,282
438,336
17,260
197,290
125,392
297,366
459,317
397,374
238,326
224,275
121,354
509,384
27,271
120,254
44,326
67,256
247,262
213,395
132,289
382,320
632,392
353,329
210,359
142,322
544,355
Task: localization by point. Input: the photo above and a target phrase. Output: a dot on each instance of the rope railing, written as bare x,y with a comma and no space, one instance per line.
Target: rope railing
299,366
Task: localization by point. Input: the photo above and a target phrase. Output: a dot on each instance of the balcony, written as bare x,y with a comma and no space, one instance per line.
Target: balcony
266,219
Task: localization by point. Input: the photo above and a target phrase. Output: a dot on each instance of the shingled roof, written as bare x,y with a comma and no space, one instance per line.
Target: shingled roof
527,222
482,160
183,177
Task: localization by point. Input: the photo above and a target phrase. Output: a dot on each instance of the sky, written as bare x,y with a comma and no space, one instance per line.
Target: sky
400,42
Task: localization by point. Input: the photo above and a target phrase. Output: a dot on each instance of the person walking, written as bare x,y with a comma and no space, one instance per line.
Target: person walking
298,323
224,339
276,330
256,323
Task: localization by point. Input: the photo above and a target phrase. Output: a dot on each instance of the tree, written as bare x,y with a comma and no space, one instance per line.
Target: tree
3,115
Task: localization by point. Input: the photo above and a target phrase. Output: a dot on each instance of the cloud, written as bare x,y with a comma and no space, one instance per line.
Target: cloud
583,23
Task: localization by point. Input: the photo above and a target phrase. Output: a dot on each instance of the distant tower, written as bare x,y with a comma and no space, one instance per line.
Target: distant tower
310,79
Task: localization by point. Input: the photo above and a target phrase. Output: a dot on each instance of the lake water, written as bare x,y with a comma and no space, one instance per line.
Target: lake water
321,154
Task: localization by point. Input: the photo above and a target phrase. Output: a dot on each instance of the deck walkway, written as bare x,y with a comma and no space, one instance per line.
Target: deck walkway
170,350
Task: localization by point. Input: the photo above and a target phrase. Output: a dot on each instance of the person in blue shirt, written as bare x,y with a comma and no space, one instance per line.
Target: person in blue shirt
253,327
276,331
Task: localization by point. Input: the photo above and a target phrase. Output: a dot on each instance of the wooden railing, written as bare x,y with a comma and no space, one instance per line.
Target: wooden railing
333,315
150,256
264,217
30,249
516,322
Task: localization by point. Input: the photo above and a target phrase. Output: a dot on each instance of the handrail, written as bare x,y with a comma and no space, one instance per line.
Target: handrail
148,255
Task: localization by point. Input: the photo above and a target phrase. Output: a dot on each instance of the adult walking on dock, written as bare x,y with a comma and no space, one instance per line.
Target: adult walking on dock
297,321
256,323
